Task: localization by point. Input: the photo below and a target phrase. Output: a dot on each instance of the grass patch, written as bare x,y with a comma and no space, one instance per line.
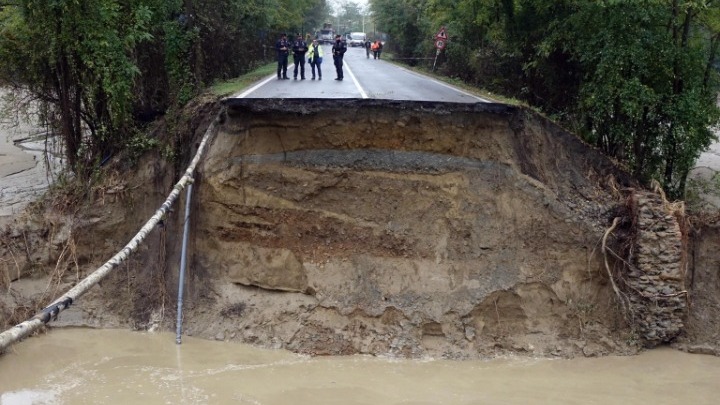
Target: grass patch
240,83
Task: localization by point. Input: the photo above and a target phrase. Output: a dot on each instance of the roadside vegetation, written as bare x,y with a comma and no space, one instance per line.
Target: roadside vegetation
236,85
636,78
100,70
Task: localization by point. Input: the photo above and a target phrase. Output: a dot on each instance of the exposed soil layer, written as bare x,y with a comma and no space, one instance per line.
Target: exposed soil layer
363,226
702,327
405,228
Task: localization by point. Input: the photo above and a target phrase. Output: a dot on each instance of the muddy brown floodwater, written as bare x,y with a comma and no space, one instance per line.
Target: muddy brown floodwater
24,171
71,366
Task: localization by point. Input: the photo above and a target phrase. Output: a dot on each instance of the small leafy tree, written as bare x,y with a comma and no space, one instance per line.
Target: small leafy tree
403,21
645,94
76,58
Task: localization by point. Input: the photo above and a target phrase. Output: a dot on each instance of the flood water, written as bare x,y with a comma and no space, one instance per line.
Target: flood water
74,366
26,171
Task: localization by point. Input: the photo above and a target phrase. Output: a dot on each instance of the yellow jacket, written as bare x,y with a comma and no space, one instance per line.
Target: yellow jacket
311,52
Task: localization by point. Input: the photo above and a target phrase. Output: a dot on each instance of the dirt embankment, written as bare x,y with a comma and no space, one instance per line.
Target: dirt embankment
363,226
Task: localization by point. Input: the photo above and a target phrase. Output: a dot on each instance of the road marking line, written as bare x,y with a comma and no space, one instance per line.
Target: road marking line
253,88
357,84
446,85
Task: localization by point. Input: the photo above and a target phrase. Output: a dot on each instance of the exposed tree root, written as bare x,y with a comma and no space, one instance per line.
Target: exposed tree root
605,250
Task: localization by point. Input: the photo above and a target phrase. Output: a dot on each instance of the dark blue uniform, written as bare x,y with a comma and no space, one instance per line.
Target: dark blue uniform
282,46
338,51
299,49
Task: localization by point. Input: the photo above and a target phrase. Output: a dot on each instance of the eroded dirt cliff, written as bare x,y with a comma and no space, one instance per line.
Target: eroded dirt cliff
411,228
364,226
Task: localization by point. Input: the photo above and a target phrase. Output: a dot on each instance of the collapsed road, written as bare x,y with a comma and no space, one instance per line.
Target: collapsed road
353,223
406,227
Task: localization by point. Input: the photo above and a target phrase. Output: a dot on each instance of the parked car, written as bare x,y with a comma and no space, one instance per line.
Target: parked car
357,39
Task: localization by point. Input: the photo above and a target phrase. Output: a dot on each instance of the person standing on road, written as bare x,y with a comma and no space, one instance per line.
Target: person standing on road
315,57
283,50
379,48
338,51
299,49
368,44
374,48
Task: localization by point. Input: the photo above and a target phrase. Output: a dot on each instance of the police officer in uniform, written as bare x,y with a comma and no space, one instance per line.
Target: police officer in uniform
283,50
299,48
338,51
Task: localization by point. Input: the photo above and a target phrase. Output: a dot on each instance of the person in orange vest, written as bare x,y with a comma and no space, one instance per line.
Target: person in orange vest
374,49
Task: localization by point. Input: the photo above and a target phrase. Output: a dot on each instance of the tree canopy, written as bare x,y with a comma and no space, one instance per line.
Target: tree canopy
100,68
637,78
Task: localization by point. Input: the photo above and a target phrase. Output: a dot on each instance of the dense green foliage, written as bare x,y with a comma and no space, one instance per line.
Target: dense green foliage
74,56
637,78
98,69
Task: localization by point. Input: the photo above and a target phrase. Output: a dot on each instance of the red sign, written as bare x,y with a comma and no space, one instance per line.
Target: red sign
442,34
441,39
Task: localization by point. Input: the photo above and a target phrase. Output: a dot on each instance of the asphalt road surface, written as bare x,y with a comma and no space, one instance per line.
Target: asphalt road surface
364,78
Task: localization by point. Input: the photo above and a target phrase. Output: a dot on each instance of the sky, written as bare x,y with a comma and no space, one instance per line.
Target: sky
363,4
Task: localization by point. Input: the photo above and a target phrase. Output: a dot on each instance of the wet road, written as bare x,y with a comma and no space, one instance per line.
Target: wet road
364,78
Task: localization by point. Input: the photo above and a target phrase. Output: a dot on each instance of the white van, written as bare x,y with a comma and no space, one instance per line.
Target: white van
357,39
